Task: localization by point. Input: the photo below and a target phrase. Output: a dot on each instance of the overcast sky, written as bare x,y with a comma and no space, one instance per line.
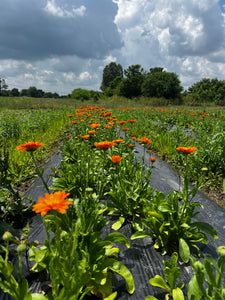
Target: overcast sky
60,45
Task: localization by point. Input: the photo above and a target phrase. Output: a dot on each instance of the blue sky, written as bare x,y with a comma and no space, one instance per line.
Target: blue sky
60,45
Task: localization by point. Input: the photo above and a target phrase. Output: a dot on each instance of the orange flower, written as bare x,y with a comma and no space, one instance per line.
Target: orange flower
86,137
69,116
122,122
125,129
68,137
95,125
104,145
118,141
153,159
132,121
74,122
134,138
116,159
131,145
54,201
31,146
186,149
145,140
92,132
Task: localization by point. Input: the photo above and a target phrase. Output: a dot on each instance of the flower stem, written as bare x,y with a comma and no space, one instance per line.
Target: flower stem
38,172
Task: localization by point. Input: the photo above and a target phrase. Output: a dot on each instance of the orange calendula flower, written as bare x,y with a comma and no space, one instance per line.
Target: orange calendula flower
104,144
125,129
145,140
86,137
92,132
95,125
153,159
186,149
69,116
132,121
68,137
116,159
54,201
131,145
122,122
31,146
75,122
118,141
134,138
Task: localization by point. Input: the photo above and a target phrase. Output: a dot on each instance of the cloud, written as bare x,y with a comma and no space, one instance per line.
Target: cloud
174,34
52,8
34,30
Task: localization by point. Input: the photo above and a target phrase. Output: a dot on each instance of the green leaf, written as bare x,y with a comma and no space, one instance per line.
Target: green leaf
184,250
177,294
22,288
171,275
155,215
194,291
38,297
140,235
159,282
118,237
207,228
150,298
118,224
111,297
118,268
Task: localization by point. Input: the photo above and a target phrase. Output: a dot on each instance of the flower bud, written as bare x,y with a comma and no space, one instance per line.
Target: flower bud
7,236
21,248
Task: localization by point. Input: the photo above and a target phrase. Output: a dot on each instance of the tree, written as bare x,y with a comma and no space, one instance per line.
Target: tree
3,85
131,85
110,72
160,83
15,92
81,94
208,90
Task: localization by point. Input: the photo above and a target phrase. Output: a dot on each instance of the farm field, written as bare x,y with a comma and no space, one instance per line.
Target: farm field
100,179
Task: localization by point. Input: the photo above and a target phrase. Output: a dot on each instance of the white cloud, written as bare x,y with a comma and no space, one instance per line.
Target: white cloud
52,8
85,76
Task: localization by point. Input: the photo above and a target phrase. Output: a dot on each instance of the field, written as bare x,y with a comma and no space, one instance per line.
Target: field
101,179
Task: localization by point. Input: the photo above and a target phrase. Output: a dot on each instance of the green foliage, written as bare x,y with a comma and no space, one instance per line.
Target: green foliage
171,224
80,94
171,273
160,83
80,262
131,85
110,73
208,90
207,282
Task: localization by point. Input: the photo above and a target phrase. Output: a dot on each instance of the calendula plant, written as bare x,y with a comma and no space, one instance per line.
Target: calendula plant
13,282
171,222
128,191
208,282
171,274
80,170
78,260
15,209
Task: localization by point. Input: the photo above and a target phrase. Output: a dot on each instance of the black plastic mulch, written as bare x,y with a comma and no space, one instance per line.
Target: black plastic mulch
141,258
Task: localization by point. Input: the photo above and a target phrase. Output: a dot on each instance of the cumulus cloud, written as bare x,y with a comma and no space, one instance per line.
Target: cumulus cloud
41,29
52,8
174,34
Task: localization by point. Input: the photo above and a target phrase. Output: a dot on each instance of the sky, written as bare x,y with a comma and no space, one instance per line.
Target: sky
61,45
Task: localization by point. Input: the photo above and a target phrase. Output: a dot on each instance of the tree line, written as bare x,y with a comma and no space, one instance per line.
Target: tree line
135,82
32,91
